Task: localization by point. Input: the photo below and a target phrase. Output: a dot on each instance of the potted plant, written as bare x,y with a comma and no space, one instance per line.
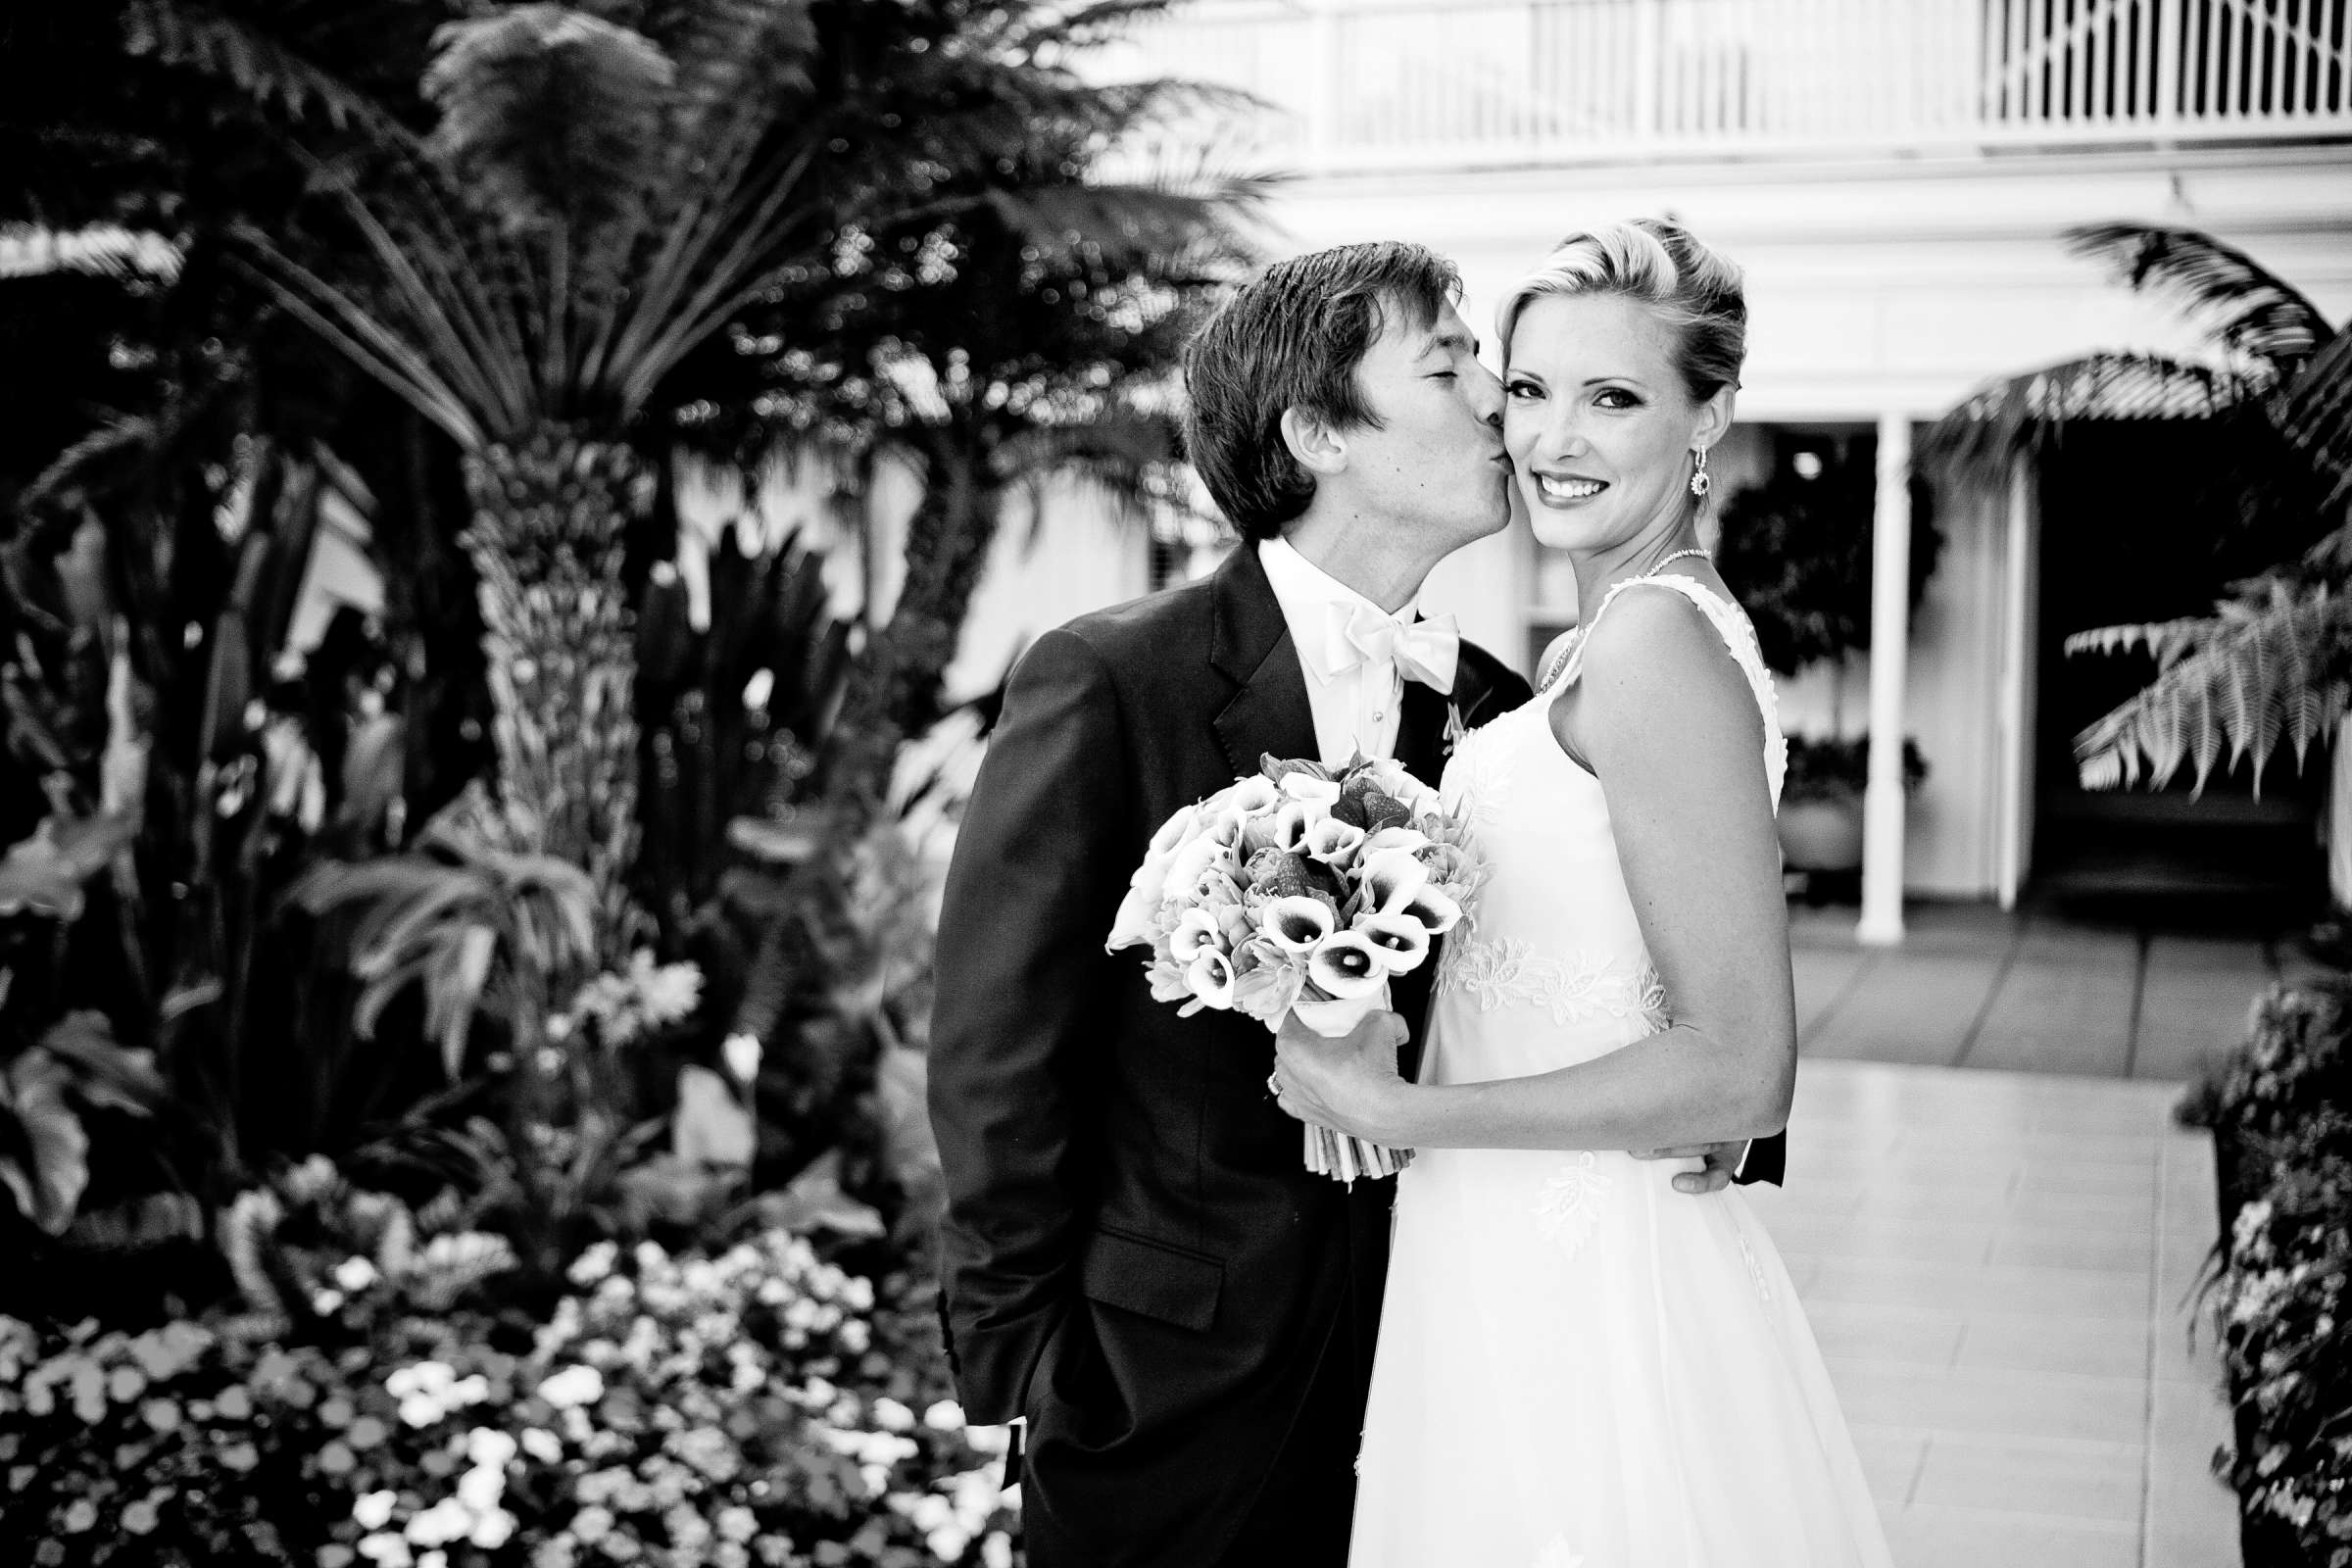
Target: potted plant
1821,800
1796,551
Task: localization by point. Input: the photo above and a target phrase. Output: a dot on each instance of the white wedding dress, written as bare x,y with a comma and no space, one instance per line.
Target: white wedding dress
1579,1366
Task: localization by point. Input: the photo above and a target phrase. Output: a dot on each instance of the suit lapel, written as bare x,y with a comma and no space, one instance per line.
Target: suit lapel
1252,645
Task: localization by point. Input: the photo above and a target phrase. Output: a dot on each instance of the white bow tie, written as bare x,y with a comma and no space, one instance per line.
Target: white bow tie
1426,650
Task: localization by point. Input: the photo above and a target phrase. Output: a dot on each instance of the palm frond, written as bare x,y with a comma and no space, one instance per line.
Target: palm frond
2248,309
550,117
2019,416
203,39
2262,670
1085,26
100,250
2314,413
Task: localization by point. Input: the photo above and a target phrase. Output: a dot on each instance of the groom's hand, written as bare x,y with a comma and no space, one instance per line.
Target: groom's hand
1723,1163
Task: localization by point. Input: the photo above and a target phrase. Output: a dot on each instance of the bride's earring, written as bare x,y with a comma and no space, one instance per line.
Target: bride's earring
1700,485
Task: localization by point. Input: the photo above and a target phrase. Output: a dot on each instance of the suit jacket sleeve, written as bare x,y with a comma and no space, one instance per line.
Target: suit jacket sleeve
1031,893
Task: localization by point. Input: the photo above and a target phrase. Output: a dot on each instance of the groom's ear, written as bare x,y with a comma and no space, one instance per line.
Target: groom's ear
1313,442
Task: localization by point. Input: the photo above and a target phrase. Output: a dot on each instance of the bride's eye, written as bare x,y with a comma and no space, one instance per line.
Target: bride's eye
1616,397
1521,389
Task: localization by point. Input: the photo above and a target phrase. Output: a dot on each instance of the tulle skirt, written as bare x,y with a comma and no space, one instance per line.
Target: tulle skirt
1580,1367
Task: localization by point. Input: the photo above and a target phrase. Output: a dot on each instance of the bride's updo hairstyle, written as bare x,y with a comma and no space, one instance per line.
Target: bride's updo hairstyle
1689,287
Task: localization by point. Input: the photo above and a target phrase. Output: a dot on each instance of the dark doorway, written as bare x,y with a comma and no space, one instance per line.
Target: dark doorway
2131,530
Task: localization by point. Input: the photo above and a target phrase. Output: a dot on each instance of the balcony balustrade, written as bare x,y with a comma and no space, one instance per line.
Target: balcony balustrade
1376,84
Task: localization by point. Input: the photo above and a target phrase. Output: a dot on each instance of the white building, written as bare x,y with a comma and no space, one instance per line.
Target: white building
1894,176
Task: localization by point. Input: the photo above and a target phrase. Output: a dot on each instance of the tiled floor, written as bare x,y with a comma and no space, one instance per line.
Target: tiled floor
1973,987
1997,1266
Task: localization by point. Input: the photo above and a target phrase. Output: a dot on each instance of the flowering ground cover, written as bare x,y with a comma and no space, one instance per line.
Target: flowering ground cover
2281,1111
759,1405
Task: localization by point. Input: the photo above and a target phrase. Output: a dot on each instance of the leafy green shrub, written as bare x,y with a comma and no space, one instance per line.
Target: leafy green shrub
1827,768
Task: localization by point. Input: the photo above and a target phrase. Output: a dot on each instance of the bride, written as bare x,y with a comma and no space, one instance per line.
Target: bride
1578,1367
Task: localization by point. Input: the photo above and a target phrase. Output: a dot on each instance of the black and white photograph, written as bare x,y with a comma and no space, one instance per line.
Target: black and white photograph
1176,783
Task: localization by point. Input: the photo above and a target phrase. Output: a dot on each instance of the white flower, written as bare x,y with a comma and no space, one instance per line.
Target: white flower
354,1274
1390,879
1334,842
944,1416
572,1387
742,1054
374,1509
737,1523
1304,785
480,1487
489,1448
1403,942
947,1543
542,1445
997,1550
492,1529
591,1525
386,1551
1298,923
892,1416
1346,965
1210,978
444,1521
1196,932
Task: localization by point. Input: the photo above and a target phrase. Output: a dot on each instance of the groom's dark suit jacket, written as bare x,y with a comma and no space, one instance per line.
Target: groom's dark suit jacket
1134,1256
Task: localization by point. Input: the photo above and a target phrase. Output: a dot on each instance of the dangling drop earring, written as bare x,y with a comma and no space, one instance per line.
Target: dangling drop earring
1700,485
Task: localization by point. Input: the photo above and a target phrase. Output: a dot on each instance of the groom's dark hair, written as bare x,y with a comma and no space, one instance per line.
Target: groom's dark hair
1292,338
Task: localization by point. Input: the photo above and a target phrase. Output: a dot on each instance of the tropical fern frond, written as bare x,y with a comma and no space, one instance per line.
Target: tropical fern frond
2020,416
550,117
2314,413
101,250
2248,309
200,38
1084,27
2262,671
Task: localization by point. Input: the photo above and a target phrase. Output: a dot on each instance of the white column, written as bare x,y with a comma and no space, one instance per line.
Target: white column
1890,641
2013,836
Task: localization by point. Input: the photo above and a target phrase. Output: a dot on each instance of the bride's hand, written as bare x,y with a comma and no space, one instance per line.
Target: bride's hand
1349,1083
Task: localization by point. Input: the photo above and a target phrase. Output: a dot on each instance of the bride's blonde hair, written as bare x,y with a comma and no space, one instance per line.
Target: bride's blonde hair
1692,288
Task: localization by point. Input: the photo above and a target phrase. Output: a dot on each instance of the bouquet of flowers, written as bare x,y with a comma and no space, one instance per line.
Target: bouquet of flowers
1300,890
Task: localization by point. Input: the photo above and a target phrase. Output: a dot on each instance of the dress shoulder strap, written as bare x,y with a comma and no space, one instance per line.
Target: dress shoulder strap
1731,622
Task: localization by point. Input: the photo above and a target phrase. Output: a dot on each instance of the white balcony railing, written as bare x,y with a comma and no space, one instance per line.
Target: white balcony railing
1390,84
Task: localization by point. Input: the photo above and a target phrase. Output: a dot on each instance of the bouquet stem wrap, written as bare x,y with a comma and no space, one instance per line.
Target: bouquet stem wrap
1344,1157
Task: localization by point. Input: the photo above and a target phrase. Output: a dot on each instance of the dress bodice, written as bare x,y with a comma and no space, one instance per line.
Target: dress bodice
1549,966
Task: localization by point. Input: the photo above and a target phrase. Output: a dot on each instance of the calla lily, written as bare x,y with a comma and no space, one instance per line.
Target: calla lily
1298,923
1308,787
1402,941
1294,822
1334,842
1194,858
1332,1017
1346,964
1173,831
1211,979
1411,840
1433,909
1390,878
1257,795
1257,834
1133,923
1196,932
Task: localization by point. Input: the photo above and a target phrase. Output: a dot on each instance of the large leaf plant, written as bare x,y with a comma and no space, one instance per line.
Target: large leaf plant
2269,667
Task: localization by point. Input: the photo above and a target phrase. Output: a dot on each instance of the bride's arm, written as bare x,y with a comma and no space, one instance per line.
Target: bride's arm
1665,719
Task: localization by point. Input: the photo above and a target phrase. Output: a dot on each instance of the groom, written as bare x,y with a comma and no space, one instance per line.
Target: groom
1135,1259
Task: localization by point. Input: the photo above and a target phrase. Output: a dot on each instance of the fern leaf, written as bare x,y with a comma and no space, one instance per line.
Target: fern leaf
204,40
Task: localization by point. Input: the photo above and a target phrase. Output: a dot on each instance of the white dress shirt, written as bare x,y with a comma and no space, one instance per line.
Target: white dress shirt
1355,708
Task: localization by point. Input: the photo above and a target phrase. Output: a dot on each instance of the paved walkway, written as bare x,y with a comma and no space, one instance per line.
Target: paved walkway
1973,987
1996,1231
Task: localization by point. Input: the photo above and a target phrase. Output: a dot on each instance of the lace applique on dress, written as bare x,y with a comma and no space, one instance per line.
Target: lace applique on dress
1558,1553
1569,1209
1510,970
